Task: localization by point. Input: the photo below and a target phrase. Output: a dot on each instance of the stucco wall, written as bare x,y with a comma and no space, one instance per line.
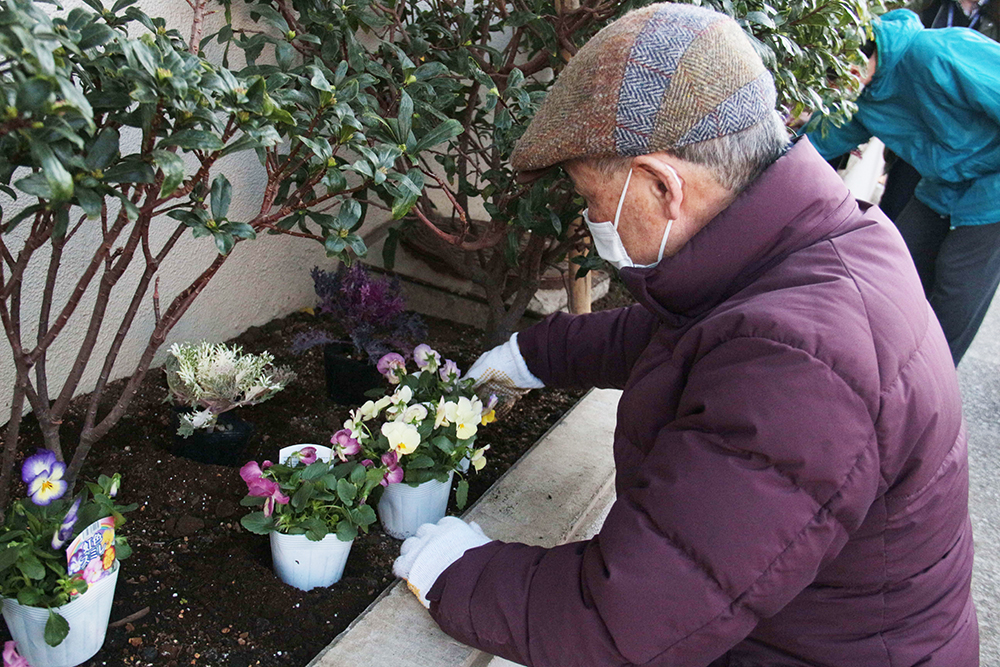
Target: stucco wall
264,279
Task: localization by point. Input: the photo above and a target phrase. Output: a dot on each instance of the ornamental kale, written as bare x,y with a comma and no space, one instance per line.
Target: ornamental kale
212,379
371,310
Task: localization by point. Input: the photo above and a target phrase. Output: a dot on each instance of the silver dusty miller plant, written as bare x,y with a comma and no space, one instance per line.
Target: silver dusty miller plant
215,378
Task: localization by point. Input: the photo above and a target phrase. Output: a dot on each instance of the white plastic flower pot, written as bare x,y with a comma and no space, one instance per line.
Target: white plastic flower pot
404,508
304,564
88,623
323,453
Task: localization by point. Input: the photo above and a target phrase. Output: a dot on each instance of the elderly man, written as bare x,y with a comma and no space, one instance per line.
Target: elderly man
791,468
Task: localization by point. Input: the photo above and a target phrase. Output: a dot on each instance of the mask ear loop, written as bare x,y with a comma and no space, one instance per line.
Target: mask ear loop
663,243
621,200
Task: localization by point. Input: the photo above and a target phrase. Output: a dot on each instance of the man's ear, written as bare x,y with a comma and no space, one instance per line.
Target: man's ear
667,183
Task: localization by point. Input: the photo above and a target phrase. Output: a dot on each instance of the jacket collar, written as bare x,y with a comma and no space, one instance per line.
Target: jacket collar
796,202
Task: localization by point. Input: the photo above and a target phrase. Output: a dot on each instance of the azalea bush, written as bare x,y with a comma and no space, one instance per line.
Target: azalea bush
487,64
214,378
35,568
309,495
371,310
425,428
114,135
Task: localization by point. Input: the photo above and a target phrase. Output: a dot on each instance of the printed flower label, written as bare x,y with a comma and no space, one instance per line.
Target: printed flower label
92,553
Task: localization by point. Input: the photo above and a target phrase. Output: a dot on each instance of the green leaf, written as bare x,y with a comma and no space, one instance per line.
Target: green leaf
224,241
130,170
56,629
364,515
318,79
222,194
346,491
257,523
103,150
346,531
444,443
420,462
241,230
59,180
443,132
462,494
405,117
32,94
95,34
31,567
172,166
8,557
350,213
194,140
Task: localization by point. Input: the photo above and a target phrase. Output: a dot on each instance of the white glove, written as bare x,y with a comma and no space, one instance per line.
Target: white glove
504,365
423,557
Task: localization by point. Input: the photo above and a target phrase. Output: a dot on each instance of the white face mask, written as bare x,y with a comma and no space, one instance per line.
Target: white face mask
609,244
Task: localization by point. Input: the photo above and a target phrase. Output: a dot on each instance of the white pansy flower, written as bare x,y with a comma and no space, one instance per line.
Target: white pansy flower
414,414
478,459
468,414
441,414
403,438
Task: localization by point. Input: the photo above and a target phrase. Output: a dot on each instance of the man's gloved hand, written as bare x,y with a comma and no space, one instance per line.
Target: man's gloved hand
503,372
423,557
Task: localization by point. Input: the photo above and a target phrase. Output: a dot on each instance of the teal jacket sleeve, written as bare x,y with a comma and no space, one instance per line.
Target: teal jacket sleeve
838,140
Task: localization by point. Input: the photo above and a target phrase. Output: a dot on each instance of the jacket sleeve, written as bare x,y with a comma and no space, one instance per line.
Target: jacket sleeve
831,141
768,466
592,350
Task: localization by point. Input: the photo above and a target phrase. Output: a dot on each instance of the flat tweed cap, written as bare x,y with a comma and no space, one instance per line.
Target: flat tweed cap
658,78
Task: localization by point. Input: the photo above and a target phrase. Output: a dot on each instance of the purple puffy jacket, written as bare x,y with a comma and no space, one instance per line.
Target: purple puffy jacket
792,477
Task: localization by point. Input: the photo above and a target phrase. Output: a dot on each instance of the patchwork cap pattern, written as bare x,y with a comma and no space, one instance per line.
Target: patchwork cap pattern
657,79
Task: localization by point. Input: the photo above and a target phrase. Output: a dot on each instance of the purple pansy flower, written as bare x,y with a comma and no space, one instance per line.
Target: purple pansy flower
394,472
392,366
426,357
344,444
66,528
307,455
43,475
262,488
449,371
11,658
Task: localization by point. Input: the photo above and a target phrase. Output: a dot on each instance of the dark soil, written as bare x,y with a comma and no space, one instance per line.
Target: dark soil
199,589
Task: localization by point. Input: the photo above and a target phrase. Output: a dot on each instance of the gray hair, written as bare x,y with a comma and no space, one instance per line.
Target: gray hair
734,160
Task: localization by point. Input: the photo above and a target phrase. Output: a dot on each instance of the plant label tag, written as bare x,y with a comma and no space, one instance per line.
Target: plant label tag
92,553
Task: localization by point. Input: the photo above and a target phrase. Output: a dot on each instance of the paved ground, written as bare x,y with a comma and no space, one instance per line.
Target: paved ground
979,375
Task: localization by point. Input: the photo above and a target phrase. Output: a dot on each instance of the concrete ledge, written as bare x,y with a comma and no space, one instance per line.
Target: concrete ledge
560,491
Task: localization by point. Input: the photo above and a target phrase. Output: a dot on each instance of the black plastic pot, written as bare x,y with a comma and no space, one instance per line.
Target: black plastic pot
347,379
224,446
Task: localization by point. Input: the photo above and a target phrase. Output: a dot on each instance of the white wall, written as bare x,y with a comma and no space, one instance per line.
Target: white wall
264,279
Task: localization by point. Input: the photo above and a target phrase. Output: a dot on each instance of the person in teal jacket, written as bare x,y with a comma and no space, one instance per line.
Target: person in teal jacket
933,98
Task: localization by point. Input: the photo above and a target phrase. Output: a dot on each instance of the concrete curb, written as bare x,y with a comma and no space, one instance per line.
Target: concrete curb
559,491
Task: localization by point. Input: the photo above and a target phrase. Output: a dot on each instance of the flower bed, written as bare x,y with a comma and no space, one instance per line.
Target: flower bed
199,588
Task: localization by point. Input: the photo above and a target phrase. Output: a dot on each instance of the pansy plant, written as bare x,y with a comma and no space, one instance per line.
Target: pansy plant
37,529
311,494
425,426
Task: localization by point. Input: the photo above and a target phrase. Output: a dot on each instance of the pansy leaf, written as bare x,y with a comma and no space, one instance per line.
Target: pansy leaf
420,462
346,531
56,629
257,523
8,557
364,515
358,475
346,491
462,494
444,443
